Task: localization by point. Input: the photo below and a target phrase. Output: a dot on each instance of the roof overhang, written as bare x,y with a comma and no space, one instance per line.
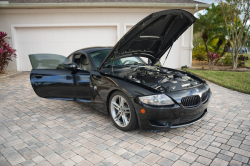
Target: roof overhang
6,5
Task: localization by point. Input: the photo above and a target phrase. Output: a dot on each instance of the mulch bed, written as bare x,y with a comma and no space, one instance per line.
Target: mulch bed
203,65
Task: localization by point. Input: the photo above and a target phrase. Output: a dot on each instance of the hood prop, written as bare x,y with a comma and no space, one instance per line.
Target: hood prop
167,54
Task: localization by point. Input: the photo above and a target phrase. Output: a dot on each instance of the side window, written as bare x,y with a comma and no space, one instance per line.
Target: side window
71,57
77,59
49,61
83,62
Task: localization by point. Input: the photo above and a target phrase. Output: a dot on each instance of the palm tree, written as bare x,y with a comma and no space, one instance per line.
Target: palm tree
211,26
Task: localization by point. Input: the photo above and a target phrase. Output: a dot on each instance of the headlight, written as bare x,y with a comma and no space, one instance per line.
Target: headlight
156,100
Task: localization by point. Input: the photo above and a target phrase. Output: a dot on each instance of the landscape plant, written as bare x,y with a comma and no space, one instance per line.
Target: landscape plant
199,53
211,29
212,58
6,52
236,14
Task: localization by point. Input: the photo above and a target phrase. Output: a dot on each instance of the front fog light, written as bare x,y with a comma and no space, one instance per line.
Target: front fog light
156,100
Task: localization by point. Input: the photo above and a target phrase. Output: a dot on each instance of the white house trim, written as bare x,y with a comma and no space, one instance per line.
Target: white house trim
14,33
103,5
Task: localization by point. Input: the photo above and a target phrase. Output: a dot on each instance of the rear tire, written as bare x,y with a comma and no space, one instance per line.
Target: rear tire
122,112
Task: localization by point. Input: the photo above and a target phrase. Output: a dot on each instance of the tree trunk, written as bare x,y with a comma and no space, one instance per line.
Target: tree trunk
234,58
219,44
211,65
209,62
235,63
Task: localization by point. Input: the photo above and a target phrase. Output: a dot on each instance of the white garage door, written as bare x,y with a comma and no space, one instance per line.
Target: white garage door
61,40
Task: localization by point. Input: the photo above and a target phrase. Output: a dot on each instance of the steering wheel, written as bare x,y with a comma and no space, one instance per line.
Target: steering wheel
128,62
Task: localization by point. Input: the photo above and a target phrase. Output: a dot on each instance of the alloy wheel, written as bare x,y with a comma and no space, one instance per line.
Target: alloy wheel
120,111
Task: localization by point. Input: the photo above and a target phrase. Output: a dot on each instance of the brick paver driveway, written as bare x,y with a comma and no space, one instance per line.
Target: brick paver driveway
37,131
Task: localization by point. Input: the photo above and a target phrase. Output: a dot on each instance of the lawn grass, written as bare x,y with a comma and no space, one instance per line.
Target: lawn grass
239,81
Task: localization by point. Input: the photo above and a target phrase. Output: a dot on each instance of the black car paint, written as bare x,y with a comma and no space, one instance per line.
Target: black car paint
153,36
80,83
107,84
62,84
98,84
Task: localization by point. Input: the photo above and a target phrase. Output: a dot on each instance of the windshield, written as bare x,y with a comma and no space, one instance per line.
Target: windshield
99,56
133,60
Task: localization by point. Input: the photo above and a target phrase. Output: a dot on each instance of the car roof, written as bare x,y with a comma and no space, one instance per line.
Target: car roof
92,49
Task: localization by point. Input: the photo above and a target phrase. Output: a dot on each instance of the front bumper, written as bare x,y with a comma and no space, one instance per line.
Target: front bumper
165,118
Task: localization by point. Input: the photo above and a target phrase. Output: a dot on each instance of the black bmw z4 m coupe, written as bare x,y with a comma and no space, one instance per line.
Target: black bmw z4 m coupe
134,93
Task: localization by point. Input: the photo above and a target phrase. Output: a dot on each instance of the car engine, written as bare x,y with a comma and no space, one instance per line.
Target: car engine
164,80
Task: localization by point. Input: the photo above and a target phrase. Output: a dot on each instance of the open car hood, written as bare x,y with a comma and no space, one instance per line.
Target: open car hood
153,35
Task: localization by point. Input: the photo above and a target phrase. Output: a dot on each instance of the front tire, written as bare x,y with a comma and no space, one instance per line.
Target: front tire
122,112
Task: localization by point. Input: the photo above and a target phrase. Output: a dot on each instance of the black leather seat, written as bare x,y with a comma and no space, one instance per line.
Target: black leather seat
84,63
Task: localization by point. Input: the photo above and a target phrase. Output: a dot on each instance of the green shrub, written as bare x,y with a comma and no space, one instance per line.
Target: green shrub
228,61
199,53
241,60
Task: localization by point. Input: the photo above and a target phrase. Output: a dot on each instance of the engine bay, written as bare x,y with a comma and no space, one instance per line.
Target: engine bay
162,79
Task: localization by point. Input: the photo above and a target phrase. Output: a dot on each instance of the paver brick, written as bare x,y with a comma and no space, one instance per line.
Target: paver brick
241,158
114,159
164,162
125,162
202,144
179,162
169,155
224,157
205,153
235,163
240,151
38,159
189,157
77,159
234,142
93,158
54,159
44,132
68,162
151,159
16,159
220,162
45,151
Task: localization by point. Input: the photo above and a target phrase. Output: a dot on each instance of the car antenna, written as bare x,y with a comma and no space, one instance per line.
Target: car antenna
167,55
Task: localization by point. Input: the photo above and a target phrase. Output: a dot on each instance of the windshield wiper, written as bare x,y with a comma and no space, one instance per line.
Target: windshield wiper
136,63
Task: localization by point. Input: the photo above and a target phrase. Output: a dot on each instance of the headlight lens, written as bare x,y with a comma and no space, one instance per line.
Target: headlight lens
156,100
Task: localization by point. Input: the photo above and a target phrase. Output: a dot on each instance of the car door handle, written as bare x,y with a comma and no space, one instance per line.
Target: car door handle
38,76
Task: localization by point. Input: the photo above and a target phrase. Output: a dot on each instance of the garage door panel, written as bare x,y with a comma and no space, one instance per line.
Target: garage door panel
24,49
48,34
36,48
23,35
61,40
61,34
72,46
61,48
25,63
73,34
49,47
35,36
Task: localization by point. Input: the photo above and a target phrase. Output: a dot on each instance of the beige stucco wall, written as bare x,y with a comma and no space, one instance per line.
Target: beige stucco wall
121,16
